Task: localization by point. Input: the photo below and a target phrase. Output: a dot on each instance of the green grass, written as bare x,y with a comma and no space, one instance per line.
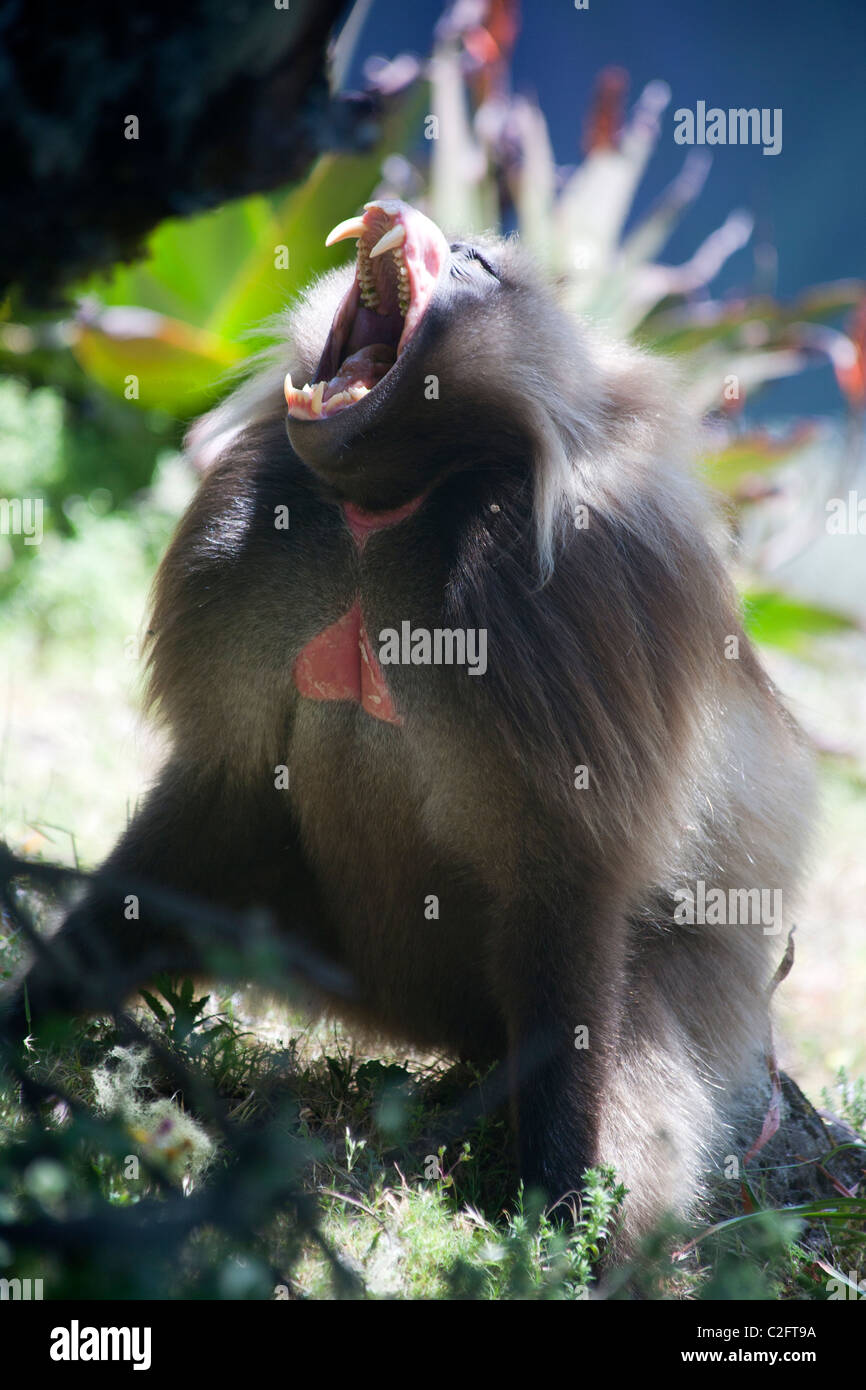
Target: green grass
405,1205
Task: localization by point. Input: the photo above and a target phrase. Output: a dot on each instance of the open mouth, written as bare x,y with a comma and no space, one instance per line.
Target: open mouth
400,256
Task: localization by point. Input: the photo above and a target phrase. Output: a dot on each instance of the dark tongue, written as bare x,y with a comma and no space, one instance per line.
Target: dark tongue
369,327
363,368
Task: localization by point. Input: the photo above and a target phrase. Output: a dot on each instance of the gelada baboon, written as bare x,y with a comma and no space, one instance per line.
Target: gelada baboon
457,687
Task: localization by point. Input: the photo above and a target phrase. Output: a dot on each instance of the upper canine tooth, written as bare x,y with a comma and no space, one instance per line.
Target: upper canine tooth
395,237
353,226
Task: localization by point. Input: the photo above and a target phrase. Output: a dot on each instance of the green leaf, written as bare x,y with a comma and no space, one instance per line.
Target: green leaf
188,262
177,367
791,624
687,327
751,454
155,1006
822,302
709,367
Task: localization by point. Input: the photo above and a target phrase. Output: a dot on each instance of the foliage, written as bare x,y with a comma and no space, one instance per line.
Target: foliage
850,1099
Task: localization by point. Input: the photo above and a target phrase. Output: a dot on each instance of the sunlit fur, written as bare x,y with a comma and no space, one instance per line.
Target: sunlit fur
606,648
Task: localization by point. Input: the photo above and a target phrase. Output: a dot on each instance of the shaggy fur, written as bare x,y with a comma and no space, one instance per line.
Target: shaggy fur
606,649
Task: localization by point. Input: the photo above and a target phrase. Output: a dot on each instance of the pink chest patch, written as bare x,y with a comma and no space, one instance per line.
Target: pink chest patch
340,663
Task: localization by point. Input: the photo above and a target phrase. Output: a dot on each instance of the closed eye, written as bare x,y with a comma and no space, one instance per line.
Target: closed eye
470,253
477,256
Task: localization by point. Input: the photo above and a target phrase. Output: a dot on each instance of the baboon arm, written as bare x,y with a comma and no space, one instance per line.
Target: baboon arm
198,852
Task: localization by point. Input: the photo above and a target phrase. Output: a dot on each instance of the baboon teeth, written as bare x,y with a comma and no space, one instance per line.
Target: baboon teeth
347,397
391,241
352,226
400,254
308,402
368,283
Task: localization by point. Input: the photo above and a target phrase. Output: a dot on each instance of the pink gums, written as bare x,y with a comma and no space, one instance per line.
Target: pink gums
340,663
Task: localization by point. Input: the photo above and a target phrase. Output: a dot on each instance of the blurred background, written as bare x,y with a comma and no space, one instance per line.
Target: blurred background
154,222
